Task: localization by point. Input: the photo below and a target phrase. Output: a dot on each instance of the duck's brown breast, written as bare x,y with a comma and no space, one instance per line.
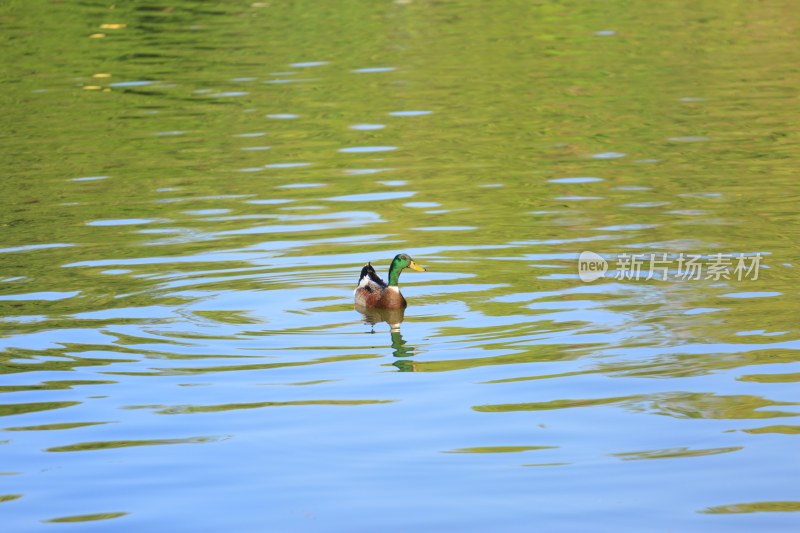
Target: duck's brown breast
392,299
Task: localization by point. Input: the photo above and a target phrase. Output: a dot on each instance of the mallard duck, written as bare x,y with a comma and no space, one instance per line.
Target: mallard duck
374,293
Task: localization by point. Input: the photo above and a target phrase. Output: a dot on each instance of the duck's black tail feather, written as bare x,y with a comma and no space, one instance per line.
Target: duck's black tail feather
370,273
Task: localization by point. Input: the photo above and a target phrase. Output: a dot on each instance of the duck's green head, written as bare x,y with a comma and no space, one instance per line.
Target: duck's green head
400,262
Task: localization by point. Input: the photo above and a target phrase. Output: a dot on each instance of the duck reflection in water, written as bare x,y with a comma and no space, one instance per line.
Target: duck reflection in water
393,317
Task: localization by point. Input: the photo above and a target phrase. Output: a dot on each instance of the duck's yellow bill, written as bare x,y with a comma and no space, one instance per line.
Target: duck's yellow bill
414,266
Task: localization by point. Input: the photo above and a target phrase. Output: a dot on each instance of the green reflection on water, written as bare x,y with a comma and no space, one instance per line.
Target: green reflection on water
7,366
783,429
672,453
108,445
713,406
755,507
85,517
54,385
9,497
10,409
772,378
677,404
189,409
241,368
57,426
501,449
531,355
555,404
399,345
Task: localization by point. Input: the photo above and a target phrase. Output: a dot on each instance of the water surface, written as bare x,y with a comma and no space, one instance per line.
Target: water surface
191,190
